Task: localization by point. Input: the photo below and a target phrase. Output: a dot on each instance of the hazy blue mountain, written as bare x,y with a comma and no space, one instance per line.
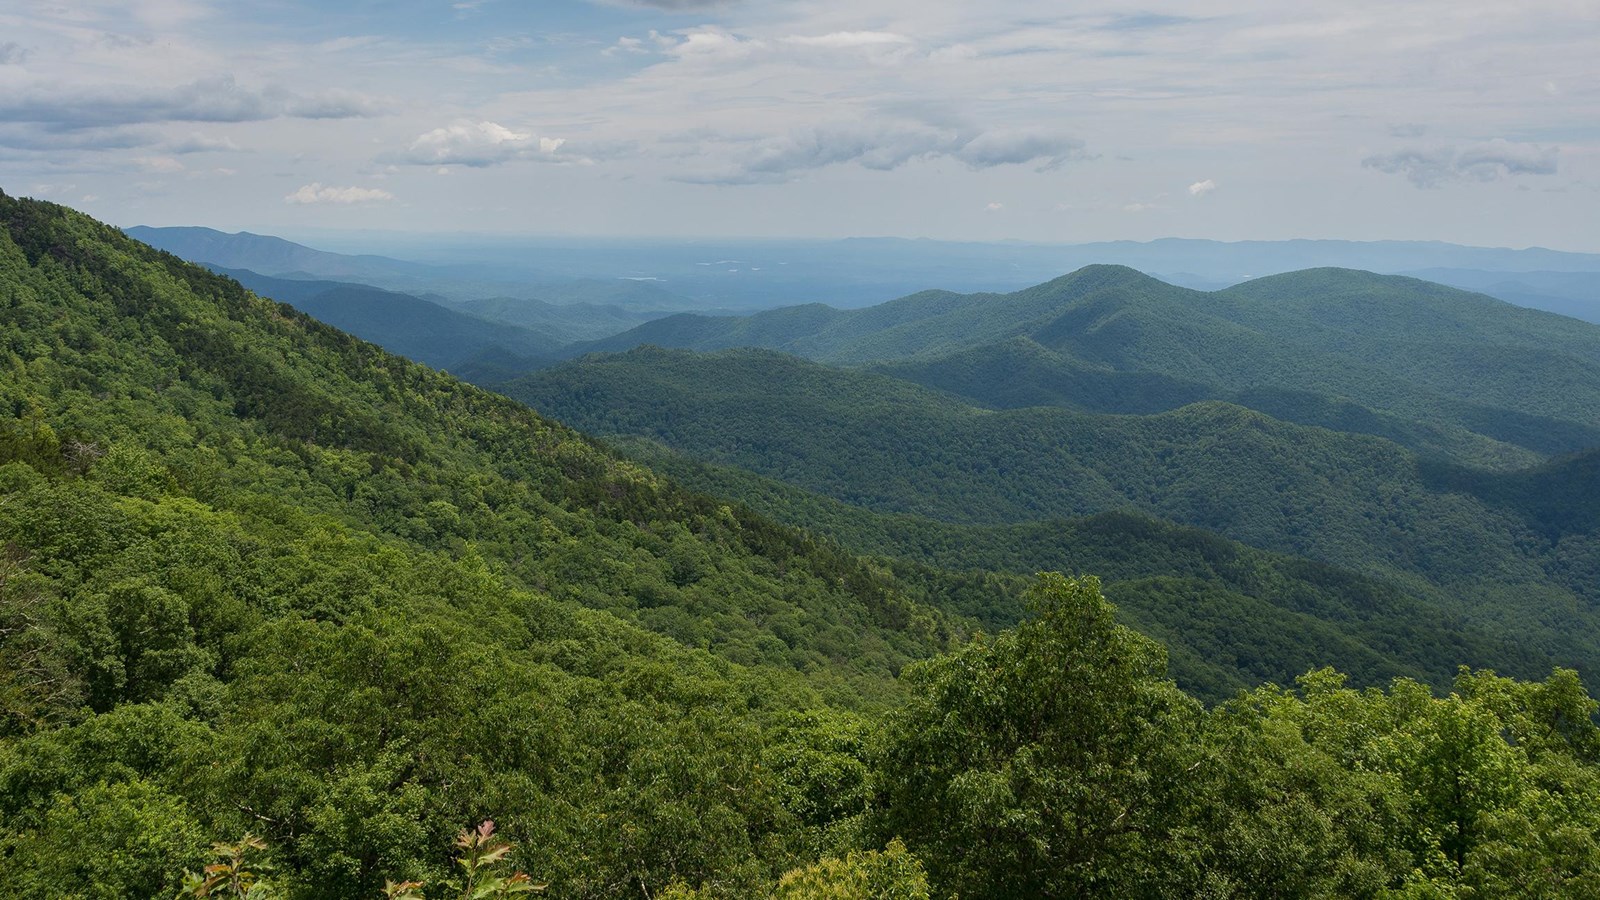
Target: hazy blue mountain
568,322
277,257
1575,294
268,255
747,275
400,323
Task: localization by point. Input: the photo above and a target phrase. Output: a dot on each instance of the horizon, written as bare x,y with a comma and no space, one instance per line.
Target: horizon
309,237
1216,120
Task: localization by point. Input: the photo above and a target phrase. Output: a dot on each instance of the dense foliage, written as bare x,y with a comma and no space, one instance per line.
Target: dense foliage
261,576
282,612
1057,761
1231,615
1507,552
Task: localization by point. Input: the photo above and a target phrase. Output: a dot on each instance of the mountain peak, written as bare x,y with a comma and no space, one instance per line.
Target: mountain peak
1102,275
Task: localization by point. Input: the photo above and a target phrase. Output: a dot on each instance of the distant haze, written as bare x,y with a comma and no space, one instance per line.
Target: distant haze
675,275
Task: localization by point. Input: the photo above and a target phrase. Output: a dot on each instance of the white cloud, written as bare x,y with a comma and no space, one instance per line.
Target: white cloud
480,144
626,45
843,40
1486,161
1202,188
707,44
317,192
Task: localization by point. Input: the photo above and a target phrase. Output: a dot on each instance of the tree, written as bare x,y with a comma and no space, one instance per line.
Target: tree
1050,761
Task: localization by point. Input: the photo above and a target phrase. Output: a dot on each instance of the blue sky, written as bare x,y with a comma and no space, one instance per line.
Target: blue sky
1461,121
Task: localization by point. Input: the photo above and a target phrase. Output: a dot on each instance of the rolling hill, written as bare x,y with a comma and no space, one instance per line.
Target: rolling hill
1446,371
1507,550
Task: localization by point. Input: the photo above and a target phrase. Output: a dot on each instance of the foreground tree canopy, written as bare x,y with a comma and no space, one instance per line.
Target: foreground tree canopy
266,586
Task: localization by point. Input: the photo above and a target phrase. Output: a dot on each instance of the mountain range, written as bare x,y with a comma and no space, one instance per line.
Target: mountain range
281,607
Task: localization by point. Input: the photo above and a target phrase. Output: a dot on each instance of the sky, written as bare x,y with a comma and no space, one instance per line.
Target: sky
1460,121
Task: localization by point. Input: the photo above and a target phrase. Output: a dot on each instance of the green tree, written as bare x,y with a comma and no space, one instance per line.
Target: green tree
1050,761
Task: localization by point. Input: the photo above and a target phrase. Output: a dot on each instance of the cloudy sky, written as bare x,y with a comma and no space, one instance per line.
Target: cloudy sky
1460,120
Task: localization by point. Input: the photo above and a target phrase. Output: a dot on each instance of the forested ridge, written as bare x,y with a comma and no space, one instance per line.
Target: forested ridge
1232,616
1507,553
262,578
1441,370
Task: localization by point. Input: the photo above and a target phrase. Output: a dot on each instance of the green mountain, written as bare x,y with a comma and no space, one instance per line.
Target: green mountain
260,575
1507,551
1444,371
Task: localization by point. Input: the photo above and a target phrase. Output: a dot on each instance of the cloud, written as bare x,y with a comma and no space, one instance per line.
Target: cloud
482,144
219,99
999,148
846,40
884,148
707,44
317,192
994,206
161,164
626,45
12,53
1202,188
1486,161
200,143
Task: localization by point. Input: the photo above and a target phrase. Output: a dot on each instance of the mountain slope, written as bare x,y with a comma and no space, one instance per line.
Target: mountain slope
876,442
1231,615
400,323
272,578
